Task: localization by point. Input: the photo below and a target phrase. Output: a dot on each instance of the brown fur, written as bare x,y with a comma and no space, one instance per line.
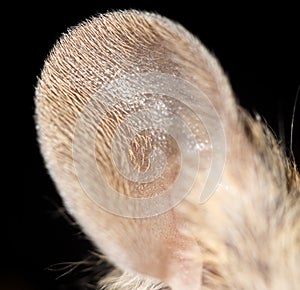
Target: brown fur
247,236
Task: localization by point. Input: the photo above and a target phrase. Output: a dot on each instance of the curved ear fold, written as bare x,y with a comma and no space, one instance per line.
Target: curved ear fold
86,62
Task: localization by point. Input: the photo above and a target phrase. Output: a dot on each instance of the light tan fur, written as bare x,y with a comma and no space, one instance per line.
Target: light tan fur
247,236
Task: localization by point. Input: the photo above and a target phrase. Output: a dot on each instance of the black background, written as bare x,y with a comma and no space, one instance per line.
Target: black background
258,47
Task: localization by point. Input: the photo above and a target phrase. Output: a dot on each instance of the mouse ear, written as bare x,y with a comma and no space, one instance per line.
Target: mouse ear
130,111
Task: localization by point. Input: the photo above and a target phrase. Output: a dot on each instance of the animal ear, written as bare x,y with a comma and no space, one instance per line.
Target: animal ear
132,113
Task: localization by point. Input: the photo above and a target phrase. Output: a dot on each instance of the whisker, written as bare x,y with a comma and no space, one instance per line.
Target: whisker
292,123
